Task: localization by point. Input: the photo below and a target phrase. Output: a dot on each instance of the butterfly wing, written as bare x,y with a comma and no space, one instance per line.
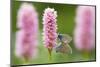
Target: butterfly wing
58,41
66,49
66,38
58,48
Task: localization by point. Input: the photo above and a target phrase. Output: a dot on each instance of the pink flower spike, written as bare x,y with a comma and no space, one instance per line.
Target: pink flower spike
49,28
26,37
27,16
84,35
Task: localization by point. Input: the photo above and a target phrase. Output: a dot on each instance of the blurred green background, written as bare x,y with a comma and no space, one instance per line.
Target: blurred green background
65,22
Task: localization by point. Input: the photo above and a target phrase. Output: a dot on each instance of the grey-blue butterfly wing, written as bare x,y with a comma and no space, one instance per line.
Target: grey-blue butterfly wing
66,38
66,49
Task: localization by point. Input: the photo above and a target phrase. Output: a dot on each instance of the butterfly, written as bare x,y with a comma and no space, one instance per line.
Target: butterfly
63,41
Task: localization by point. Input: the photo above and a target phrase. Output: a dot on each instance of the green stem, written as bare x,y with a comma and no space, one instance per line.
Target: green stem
50,53
86,55
26,60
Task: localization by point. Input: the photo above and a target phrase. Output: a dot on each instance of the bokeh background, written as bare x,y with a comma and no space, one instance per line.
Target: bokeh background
66,23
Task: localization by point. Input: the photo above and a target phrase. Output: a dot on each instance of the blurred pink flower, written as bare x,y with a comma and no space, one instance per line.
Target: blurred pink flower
26,44
49,28
27,17
85,28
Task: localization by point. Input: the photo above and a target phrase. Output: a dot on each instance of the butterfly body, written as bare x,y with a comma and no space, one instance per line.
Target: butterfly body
60,37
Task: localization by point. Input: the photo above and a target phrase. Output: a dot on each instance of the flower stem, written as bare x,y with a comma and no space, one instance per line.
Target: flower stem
86,55
50,53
